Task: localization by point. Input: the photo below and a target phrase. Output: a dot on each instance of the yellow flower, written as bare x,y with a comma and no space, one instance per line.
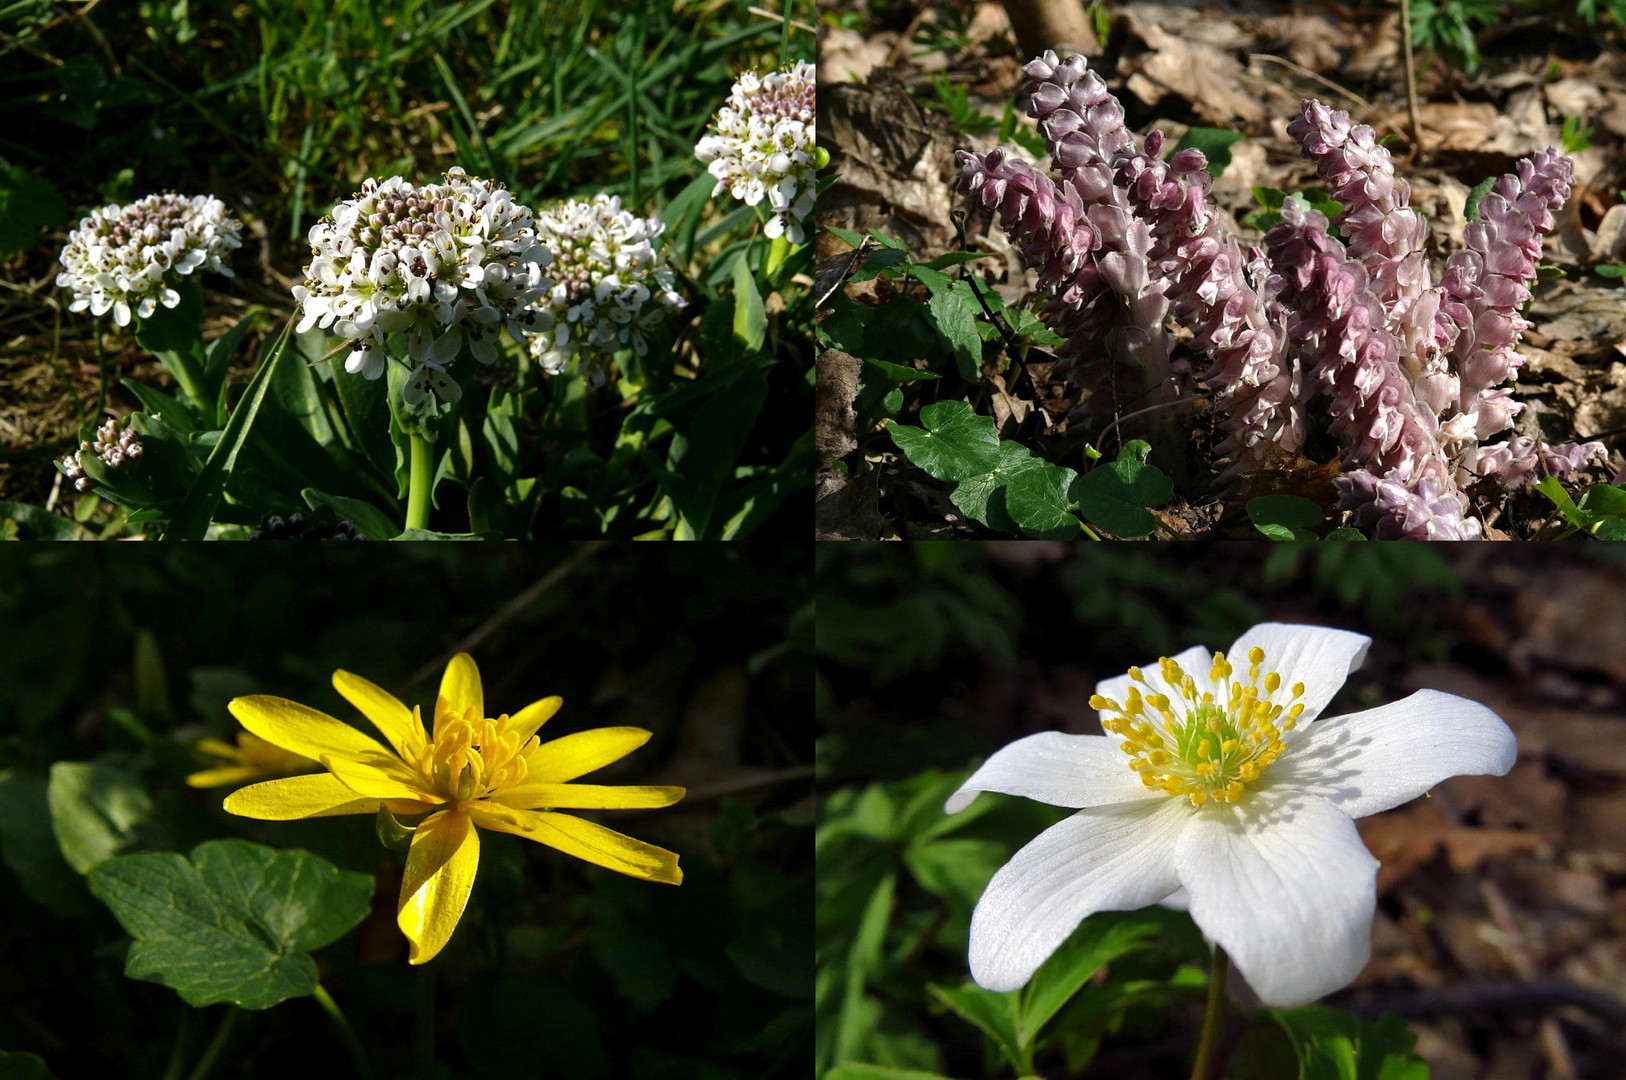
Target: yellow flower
470,770
251,759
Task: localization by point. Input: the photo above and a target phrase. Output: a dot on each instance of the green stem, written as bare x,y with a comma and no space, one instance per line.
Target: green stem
216,1044
183,1040
778,249
422,480
358,1054
1213,1017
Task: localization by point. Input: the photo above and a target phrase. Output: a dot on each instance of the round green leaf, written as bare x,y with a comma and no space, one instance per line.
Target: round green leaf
955,444
233,924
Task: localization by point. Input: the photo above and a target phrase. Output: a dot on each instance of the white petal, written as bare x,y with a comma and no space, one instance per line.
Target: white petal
1106,858
1062,770
1195,660
1318,657
1285,886
1370,761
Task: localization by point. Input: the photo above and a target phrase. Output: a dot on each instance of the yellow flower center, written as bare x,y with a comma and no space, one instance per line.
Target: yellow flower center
471,757
1210,743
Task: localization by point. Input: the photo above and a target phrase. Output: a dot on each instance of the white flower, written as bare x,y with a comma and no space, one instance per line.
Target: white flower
120,257
442,263
762,145
606,272
1218,791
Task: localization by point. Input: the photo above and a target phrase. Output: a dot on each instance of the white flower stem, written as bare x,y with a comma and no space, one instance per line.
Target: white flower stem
1213,1017
421,480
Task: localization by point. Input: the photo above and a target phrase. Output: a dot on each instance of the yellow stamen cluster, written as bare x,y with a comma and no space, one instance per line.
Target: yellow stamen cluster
471,757
1210,743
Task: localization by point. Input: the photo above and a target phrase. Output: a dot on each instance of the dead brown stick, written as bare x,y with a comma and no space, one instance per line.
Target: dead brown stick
1411,77
1061,25
531,595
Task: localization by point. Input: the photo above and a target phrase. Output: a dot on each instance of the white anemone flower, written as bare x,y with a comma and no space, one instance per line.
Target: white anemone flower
1224,793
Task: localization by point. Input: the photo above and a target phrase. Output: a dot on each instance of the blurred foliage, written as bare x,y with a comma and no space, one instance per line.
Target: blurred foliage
116,658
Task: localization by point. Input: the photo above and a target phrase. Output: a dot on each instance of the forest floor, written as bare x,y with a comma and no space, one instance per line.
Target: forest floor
1245,68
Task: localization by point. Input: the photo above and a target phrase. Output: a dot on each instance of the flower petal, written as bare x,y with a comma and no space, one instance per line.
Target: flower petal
1195,659
1285,886
394,721
575,755
525,722
1054,768
1317,656
318,795
375,779
435,886
228,774
459,690
1370,761
586,797
1104,858
302,729
583,839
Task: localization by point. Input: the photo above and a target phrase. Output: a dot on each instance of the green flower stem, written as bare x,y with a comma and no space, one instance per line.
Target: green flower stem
216,1045
422,479
183,1042
358,1053
1213,1017
777,252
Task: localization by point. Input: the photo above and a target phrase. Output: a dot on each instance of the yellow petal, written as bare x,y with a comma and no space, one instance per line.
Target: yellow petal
216,748
525,722
378,778
583,839
459,690
301,729
319,795
392,719
586,797
439,873
231,774
572,756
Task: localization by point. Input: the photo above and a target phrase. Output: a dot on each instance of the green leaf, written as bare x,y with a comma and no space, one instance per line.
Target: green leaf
1284,517
1268,197
1333,1045
1550,487
23,1067
1470,206
1319,200
1609,270
1602,502
1115,495
97,811
1038,501
235,923
367,518
956,443
750,317
1345,534
982,497
28,203
191,519
899,372
160,404
40,522
1215,143
1098,940
994,1014
855,1071
30,849
954,311
956,868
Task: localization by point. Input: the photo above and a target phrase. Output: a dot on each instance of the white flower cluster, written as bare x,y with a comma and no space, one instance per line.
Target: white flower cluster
120,257
608,287
443,263
763,145
113,445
